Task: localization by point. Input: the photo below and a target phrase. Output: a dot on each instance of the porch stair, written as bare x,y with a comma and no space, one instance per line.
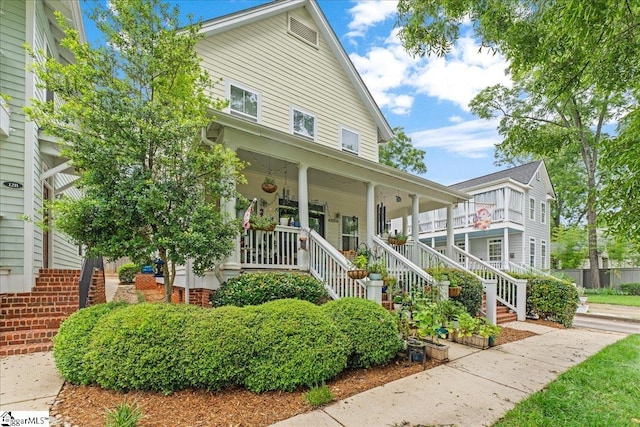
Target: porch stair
504,314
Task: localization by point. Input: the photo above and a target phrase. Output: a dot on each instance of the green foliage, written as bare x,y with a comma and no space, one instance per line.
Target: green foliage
149,185
570,246
429,319
127,272
258,288
471,294
401,154
294,345
360,262
318,396
372,330
72,341
552,299
630,288
124,415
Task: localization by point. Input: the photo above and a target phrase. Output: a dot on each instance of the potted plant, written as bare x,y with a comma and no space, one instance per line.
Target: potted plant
488,330
454,290
430,320
390,283
377,269
398,239
264,223
358,267
269,185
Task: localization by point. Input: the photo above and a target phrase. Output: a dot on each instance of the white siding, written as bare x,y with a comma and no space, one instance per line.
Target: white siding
286,71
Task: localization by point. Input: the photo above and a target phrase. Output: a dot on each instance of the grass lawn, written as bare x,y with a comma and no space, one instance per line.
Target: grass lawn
604,390
630,300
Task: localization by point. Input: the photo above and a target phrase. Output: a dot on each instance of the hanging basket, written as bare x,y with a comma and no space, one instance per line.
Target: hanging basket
357,274
269,188
455,291
396,241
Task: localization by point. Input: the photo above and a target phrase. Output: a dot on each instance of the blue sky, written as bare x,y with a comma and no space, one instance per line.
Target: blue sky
427,96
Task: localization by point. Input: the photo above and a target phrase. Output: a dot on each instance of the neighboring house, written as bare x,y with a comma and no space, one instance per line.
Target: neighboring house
31,169
508,222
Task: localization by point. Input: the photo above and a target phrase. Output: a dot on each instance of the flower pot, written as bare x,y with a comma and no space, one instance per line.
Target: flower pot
375,276
437,351
455,291
357,274
396,241
397,307
583,300
269,188
284,221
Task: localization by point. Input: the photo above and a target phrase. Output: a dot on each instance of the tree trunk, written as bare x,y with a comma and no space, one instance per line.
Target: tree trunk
168,279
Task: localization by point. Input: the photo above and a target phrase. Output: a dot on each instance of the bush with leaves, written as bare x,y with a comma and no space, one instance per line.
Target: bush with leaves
72,341
127,272
372,330
258,288
293,344
630,288
471,293
550,298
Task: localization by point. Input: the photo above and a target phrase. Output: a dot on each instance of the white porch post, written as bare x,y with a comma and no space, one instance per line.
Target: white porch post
303,212
505,249
450,239
507,203
415,231
231,265
371,216
467,249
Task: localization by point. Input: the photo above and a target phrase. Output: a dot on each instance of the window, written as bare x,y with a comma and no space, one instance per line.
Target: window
532,252
495,250
349,140
461,257
543,254
532,209
303,124
244,103
543,213
350,227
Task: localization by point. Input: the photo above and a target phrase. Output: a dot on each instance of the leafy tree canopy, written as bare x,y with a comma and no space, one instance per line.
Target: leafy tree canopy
130,120
400,154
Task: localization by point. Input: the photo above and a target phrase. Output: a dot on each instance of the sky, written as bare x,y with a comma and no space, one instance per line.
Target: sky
428,97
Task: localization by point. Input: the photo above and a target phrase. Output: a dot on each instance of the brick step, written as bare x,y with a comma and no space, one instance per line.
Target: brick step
39,299
43,310
28,323
33,336
506,317
10,350
52,287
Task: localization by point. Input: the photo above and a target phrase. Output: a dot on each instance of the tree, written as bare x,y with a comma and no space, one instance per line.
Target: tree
570,248
130,121
573,64
400,154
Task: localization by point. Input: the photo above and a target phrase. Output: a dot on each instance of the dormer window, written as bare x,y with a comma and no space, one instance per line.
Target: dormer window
303,123
349,140
244,102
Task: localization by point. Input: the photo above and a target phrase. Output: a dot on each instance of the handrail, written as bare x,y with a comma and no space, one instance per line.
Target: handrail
409,275
510,292
326,263
527,269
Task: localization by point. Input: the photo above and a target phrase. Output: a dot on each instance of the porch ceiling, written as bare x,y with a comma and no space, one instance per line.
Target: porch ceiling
267,148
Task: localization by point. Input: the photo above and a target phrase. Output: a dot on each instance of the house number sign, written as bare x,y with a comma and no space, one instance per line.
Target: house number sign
12,184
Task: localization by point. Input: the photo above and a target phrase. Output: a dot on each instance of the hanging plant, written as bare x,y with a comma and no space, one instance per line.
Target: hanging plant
269,185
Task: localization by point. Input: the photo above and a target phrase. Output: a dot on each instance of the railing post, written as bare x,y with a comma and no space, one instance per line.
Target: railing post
491,289
521,299
374,290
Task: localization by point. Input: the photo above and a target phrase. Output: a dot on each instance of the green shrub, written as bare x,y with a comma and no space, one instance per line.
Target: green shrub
72,341
372,330
630,288
293,344
141,348
471,293
127,272
319,395
124,415
258,288
552,299
219,348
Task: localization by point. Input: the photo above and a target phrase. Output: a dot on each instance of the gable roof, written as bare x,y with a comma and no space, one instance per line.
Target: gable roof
254,14
522,174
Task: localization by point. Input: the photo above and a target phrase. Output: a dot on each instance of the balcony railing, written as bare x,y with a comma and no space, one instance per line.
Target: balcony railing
276,249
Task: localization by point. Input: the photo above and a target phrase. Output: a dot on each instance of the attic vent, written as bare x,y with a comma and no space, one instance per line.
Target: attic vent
303,31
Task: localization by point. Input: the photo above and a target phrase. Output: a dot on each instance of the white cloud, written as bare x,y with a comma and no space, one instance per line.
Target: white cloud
455,119
369,12
473,138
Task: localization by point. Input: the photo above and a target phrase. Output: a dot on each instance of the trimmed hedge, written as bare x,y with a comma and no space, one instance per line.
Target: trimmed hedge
294,344
259,288
72,339
372,330
471,294
630,288
550,298
127,272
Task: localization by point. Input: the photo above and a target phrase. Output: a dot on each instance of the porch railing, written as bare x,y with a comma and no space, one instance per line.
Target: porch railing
276,249
527,269
510,292
326,263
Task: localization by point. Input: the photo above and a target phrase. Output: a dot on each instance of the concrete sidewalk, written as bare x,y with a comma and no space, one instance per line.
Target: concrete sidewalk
612,312
476,388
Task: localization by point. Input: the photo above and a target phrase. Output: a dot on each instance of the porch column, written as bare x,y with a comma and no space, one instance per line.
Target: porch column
303,212
505,249
415,231
507,203
450,239
371,214
231,265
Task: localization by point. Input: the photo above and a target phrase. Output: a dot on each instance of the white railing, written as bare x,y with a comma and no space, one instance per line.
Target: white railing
326,263
527,269
410,276
510,292
270,249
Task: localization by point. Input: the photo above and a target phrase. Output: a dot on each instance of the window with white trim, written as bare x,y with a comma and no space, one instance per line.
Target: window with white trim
350,230
303,123
349,140
461,257
532,209
532,252
543,212
495,250
543,254
244,102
